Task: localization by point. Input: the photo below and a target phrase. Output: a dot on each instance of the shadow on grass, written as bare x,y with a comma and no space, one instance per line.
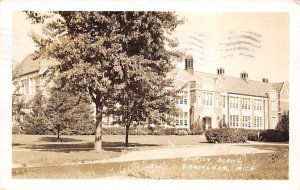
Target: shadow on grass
107,146
17,144
62,139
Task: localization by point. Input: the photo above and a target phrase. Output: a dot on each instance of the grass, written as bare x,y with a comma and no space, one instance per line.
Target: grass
30,150
79,148
241,166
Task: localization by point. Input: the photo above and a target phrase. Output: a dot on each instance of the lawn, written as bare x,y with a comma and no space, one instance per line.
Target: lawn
44,151
240,166
41,150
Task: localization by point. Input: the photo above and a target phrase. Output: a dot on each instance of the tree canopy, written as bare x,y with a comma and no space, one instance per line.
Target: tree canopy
113,56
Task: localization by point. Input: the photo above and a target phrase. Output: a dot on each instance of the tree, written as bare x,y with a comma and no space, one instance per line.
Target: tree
100,51
36,121
146,95
66,112
60,112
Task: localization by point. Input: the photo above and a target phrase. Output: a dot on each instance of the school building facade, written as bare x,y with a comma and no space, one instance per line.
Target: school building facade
217,99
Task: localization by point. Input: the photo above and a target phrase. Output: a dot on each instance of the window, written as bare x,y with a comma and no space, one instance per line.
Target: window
233,102
183,98
181,119
257,122
273,105
107,119
185,118
207,99
177,120
31,85
233,120
257,104
222,101
185,101
246,121
24,86
274,121
246,103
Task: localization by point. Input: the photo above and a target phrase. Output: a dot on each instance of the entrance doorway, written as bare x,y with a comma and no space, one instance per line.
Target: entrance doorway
206,123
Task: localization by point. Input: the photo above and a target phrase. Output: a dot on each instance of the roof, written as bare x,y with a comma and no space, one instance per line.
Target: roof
249,87
235,85
28,65
278,86
31,65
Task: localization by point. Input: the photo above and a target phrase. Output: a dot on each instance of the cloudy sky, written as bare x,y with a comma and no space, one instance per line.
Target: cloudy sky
257,43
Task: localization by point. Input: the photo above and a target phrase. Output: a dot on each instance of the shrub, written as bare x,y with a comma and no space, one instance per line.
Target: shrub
197,128
225,135
283,124
180,132
272,135
113,131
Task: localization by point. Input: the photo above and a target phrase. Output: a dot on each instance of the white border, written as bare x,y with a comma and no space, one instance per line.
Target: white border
6,8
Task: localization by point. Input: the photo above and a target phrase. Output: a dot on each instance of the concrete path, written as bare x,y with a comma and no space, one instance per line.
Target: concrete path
187,151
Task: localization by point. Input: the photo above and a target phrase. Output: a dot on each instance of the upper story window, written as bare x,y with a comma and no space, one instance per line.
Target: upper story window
207,99
233,102
183,98
257,104
222,101
246,103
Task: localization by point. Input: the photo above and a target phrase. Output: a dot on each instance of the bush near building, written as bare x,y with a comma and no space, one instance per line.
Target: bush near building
229,135
197,128
225,135
142,130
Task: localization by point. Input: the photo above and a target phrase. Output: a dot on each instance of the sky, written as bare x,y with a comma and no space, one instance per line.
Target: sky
257,43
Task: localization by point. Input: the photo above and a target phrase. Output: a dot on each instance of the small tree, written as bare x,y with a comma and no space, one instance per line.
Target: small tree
36,121
67,112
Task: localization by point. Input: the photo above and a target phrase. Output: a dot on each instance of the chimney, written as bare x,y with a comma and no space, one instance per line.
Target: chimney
221,71
265,80
189,64
244,75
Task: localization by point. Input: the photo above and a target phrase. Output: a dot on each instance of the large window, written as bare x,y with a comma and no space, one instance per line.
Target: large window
257,121
246,121
233,102
257,104
274,121
185,118
207,99
233,120
222,101
246,103
181,119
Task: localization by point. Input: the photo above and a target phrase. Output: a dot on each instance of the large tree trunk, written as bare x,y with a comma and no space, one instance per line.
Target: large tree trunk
126,135
98,130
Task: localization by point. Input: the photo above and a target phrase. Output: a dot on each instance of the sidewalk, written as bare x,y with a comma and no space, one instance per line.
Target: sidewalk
187,151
